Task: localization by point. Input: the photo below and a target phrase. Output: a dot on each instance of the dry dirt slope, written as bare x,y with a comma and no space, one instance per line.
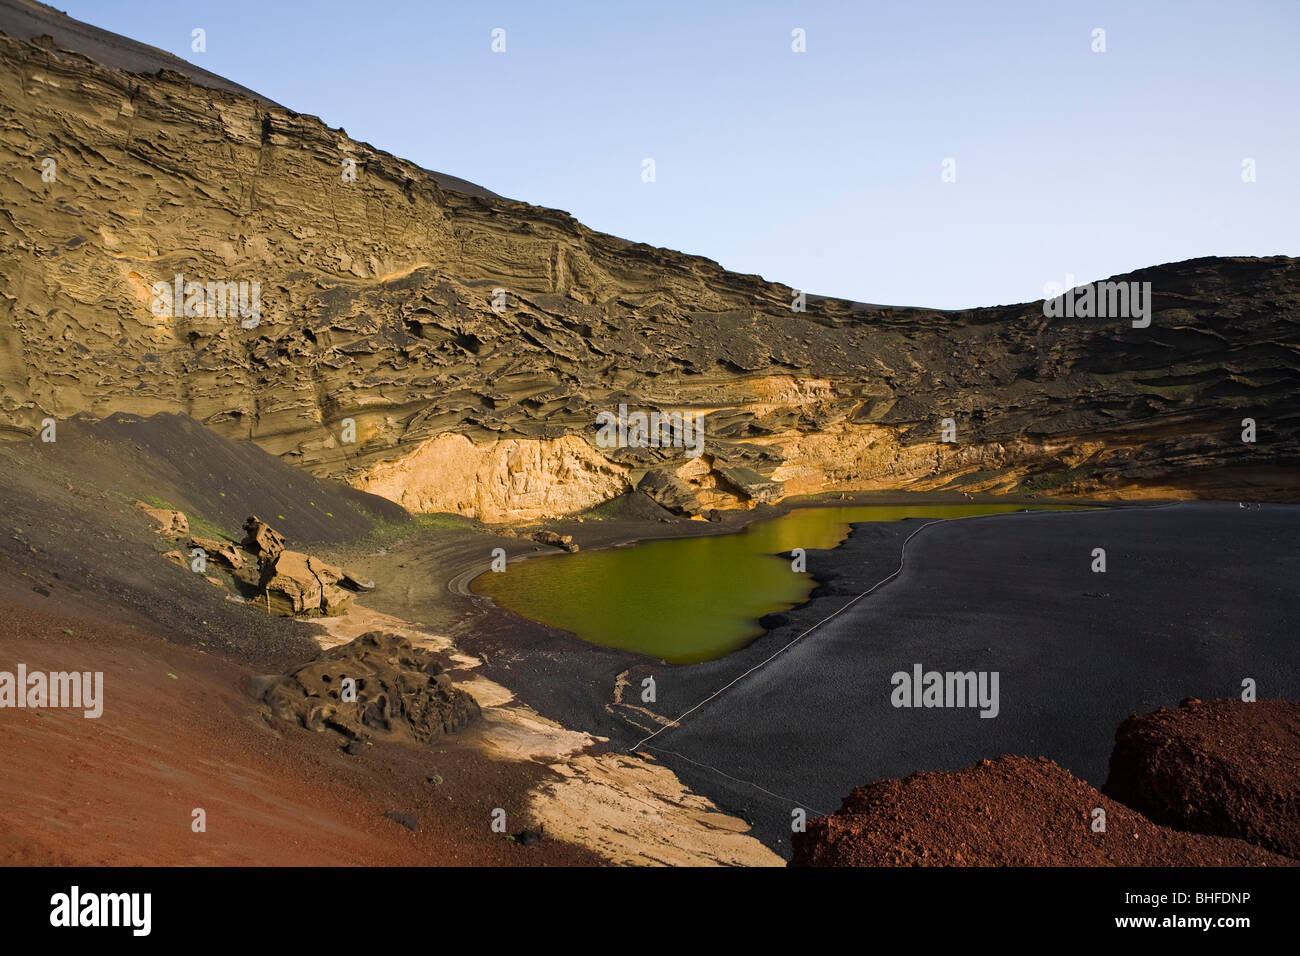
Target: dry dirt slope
376,305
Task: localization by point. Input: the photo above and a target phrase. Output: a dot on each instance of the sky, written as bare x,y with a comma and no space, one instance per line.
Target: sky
822,169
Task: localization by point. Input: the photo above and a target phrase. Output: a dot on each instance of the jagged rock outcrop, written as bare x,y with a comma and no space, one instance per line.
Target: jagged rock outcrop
294,584
401,692
451,349
555,540
261,540
222,551
291,583
288,583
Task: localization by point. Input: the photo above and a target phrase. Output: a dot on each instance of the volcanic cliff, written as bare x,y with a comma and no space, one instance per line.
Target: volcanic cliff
431,342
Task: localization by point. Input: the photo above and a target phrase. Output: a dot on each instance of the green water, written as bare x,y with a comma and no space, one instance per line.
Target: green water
689,599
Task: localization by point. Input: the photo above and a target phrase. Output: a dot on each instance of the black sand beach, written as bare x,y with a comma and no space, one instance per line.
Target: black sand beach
1196,597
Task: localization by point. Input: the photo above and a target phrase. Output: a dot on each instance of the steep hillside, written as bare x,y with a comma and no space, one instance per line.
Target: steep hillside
468,342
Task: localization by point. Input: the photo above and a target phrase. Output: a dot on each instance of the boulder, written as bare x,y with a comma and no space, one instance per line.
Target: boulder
554,539
171,523
748,483
670,492
222,551
261,539
296,584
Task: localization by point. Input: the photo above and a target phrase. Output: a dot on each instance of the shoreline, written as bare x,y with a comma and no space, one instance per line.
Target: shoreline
832,694
565,694
462,584
577,684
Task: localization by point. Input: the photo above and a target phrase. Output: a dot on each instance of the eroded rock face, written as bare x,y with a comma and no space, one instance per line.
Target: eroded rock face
1012,811
261,540
401,692
296,584
513,480
1225,767
377,355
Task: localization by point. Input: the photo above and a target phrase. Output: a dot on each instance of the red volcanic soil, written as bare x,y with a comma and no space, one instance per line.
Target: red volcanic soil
179,731
1217,766
1012,811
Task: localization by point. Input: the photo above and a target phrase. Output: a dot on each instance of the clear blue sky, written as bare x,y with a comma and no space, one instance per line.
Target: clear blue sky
820,169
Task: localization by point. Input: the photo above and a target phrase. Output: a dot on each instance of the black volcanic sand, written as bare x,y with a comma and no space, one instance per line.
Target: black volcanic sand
424,573
1196,597
69,528
175,460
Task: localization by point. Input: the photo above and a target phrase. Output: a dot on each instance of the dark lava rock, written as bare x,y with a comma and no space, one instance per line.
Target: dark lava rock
555,540
528,837
355,747
1224,767
401,692
670,492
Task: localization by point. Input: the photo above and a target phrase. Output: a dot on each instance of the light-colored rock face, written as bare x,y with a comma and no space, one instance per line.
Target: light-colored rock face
511,480
847,457
521,480
294,583
172,523
396,316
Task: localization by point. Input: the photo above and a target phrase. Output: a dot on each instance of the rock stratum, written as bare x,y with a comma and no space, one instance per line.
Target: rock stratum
449,349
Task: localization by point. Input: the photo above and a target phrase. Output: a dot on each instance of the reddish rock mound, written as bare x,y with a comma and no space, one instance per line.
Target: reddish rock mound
1012,811
1219,766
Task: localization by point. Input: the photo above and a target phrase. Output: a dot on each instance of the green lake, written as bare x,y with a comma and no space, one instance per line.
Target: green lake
690,599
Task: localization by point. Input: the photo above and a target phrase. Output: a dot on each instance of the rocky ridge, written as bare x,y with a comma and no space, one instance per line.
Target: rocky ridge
450,350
